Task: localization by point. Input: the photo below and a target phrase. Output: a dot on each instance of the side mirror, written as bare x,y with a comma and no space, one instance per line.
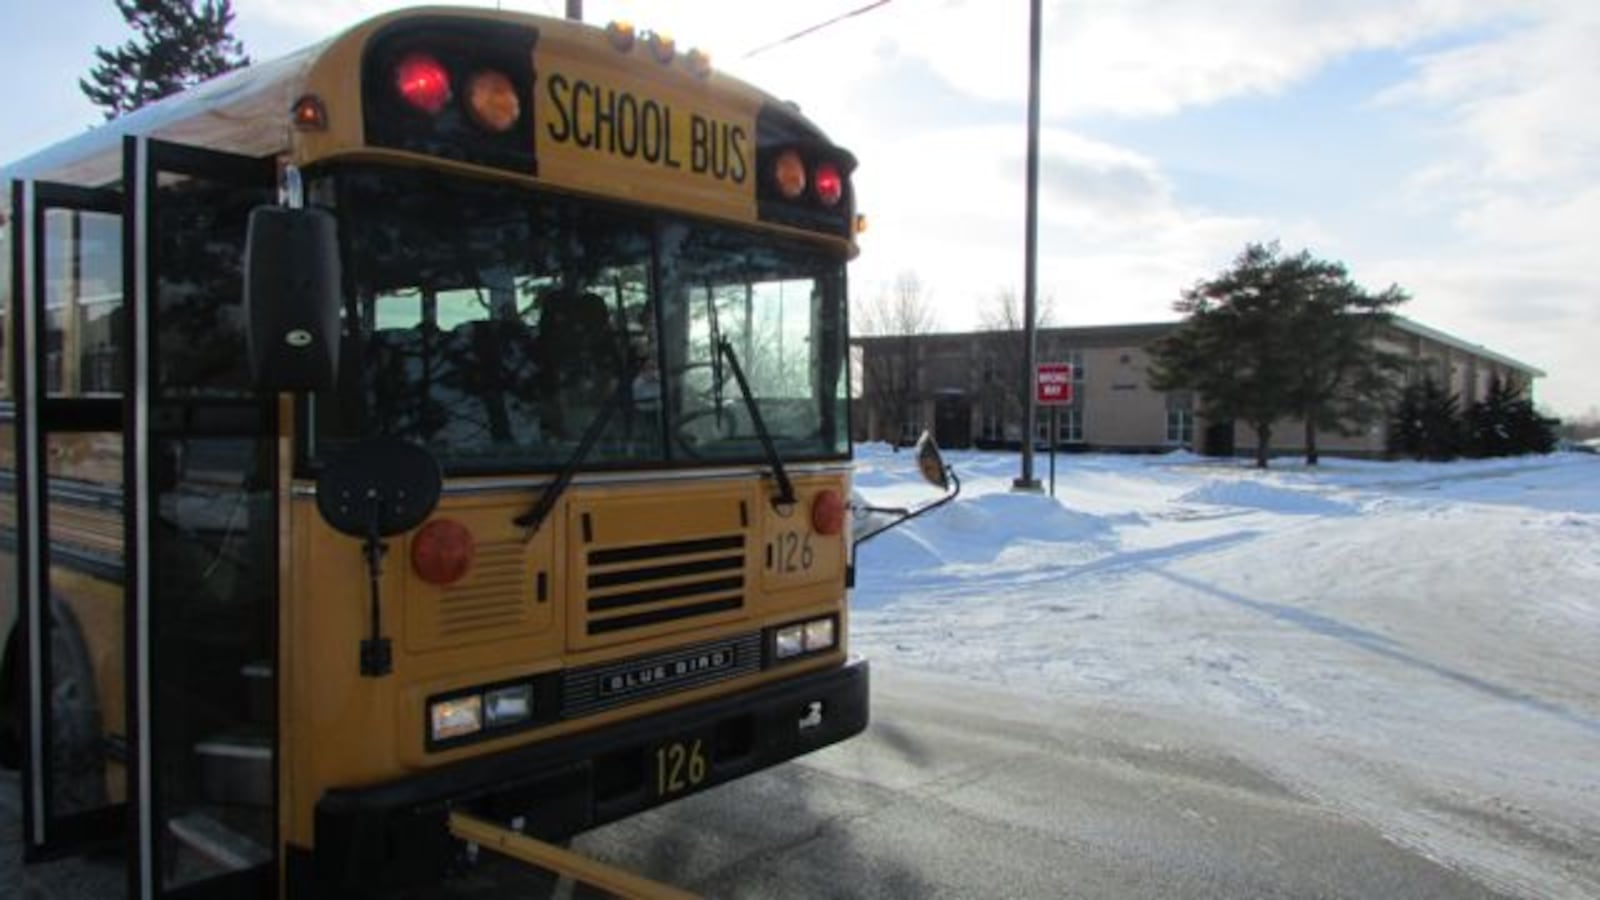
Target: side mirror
931,462
291,297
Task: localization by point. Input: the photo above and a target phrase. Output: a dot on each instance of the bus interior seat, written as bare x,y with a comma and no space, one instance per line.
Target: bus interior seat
407,372
496,363
579,350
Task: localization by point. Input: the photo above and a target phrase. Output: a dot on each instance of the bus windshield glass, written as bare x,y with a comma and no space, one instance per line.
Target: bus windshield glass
494,326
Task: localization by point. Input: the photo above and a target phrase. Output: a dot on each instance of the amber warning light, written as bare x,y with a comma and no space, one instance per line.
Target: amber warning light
492,101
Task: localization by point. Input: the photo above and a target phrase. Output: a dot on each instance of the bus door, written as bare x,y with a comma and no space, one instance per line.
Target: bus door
203,490
70,509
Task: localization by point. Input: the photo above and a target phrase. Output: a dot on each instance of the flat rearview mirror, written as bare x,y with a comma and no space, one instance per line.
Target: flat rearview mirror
291,296
931,462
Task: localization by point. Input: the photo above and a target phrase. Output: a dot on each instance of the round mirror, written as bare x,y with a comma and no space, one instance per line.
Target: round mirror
931,462
379,485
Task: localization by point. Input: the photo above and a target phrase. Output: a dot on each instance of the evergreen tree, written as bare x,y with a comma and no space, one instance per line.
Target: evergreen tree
1234,347
1346,377
179,45
1426,423
1278,336
1505,423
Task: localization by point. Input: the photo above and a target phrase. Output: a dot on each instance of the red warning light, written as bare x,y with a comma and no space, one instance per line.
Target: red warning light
829,184
423,82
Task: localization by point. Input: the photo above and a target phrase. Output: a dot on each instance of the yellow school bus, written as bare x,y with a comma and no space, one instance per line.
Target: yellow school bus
451,416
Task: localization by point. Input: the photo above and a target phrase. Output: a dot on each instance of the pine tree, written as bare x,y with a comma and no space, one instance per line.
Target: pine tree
1504,423
1274,337
1426,424
178,46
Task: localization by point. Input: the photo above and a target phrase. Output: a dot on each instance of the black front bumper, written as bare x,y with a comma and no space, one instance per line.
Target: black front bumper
374,839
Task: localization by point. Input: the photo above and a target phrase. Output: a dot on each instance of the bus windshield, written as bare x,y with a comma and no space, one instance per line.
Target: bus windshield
495,326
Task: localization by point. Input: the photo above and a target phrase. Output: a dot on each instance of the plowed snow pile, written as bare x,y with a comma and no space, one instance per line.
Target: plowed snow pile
1416,644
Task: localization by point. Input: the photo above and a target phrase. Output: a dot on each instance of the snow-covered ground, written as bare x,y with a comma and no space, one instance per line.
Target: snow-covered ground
1417,645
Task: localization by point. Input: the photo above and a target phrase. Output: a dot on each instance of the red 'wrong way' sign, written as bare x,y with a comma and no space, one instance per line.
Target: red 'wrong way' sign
1053,384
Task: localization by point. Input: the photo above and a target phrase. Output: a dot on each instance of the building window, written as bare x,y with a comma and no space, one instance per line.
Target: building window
910,431
1180,427
992,427
1069,425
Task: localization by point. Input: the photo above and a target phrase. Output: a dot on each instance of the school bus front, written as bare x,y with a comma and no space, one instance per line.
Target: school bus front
633,585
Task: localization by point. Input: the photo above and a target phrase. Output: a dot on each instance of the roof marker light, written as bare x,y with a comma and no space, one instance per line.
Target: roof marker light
308,114
662,46
699,63
621,35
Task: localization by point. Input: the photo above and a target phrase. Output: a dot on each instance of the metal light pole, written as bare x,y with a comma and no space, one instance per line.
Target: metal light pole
1026,481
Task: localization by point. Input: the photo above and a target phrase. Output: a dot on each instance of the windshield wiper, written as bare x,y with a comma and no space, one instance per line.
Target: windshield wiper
535,517
785,487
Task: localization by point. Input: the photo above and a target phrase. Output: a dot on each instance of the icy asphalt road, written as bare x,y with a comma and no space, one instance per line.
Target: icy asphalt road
959,792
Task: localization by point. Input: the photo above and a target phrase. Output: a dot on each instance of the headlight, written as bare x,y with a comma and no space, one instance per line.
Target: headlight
790,641
455,717
507,705
805,638
819,635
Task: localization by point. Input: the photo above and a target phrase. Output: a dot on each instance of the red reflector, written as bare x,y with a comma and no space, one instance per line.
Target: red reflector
422,82
442,551
827,513
830,184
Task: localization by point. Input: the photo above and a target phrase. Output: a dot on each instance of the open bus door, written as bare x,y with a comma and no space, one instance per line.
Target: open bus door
68,486
201,491
146,552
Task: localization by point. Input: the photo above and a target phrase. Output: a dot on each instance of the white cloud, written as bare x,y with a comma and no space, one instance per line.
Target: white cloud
1516,176
1114,242
1509,179
1144,57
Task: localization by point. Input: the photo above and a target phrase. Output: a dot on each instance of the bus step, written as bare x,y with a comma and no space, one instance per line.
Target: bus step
237,769
260,691
582,869
220,844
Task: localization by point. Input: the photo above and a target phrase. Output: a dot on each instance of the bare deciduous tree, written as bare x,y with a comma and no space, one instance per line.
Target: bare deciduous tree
1007,382
889,365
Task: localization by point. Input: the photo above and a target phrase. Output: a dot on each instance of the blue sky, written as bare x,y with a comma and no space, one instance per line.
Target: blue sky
1438,144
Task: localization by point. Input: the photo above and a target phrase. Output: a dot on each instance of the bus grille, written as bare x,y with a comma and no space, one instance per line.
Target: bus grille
645,585
596,688
495,597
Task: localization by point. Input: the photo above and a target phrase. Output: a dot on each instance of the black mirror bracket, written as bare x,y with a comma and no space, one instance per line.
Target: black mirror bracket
903,515
377,651
378,488
934,471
